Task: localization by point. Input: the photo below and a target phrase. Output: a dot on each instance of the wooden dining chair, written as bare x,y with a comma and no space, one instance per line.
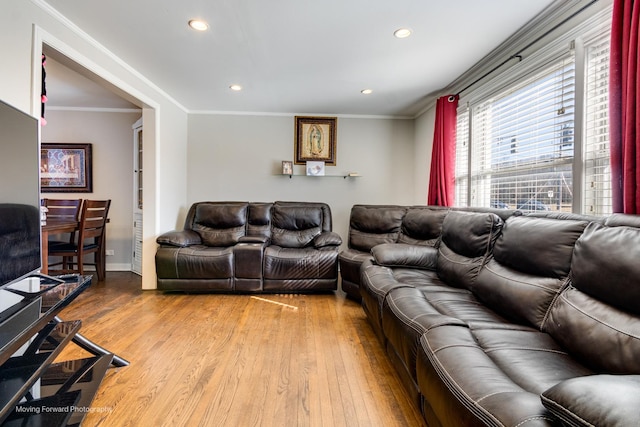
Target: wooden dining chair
63,209
90,240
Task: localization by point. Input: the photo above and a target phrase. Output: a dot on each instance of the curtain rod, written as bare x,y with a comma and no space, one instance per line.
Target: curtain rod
518,55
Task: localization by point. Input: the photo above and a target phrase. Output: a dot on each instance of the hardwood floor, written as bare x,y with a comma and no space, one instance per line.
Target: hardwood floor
236,360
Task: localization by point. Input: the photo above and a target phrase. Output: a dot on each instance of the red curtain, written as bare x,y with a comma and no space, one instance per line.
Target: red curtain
443,159
624,116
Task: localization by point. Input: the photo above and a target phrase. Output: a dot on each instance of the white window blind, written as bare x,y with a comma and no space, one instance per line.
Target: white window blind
462,156
597,170
522,143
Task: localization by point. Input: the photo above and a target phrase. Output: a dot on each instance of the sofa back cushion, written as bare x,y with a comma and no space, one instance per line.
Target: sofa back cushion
422,225
597,318
294,225
530,263
218,223
371,225
259,219
467,239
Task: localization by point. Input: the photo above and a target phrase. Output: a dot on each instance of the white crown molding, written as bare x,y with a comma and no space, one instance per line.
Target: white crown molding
266,114
95,109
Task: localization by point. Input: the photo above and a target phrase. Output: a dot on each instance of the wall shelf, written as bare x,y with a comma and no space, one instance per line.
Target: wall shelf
345,176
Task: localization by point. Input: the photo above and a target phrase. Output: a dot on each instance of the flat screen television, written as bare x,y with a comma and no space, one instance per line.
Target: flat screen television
20,232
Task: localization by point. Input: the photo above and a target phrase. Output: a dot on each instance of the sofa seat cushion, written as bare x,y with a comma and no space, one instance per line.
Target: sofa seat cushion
497,374
408,312
194,262
299,263
596,400
377,281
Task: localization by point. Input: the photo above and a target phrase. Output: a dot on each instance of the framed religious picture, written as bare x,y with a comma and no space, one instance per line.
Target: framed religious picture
315,140
65,168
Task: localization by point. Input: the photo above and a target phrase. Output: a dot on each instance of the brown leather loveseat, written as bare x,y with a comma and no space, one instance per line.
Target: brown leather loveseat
252,248
526,320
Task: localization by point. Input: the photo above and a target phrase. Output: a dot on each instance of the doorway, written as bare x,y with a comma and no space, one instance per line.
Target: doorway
85,86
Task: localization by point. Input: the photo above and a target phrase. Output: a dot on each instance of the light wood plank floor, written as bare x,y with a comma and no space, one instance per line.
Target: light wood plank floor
236,360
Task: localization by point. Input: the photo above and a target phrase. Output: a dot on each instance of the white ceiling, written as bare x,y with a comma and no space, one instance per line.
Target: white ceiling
293,56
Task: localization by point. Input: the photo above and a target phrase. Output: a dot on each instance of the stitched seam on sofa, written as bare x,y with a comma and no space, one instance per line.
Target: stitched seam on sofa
486,396
567,415
629,334
376,291
565,284
545,350
466,400
409,321
488,268
539,417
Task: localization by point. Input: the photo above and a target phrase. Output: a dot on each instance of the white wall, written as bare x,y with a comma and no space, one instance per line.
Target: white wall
238,157
24,26
111,137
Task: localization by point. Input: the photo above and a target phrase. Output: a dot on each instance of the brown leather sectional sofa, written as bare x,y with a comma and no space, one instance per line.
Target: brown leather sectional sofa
252,248
507,320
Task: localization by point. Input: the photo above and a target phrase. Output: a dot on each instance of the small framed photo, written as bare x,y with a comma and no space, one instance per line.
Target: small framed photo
315,168
65,168
287,167
315,140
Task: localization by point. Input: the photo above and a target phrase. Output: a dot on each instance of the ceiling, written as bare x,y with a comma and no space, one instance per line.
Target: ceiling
290,56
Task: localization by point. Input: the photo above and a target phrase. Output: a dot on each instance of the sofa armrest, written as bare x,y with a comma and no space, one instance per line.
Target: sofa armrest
253,239
595,400
179,238
404,255
327,238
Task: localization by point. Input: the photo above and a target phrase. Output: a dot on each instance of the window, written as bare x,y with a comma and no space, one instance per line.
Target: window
522,143
597,169
516,146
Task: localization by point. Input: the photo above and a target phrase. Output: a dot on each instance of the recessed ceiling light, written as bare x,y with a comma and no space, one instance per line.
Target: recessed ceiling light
199,25
366,91
235,87
402,33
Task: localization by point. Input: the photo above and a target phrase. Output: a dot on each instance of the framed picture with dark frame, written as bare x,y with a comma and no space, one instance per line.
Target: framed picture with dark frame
65,168
315,140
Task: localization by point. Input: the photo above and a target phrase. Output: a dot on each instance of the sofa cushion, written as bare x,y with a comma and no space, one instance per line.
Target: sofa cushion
296,263
467,239
372,225
602,337
403,255
295,226
530,263
259,219
606,265
194,262
220,224
595,400
422,226
538,246
596,318
451,355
